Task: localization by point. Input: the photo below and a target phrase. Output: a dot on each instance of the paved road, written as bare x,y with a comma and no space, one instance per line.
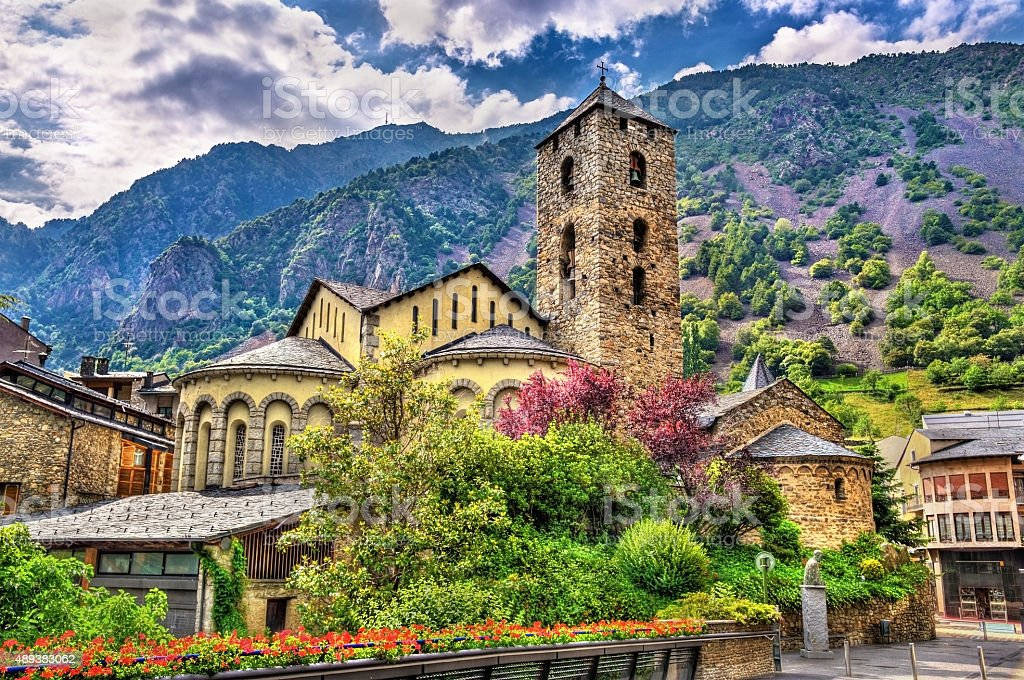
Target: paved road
943,659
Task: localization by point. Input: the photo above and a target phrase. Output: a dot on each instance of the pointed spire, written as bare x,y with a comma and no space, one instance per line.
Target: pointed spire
759,376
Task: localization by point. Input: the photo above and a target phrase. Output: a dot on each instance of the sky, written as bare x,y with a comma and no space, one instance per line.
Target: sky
95,94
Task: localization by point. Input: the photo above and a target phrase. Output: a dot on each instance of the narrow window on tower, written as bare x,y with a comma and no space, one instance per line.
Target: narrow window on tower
455,311
651,338
472,305
637,169
576,128
567,167
509,319
554,143
415,318
492,316
567,263
433,317
639,235
623,123
527,329
639,285
650,132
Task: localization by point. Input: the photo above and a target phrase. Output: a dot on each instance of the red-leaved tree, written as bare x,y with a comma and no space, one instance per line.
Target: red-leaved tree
665,418
585,393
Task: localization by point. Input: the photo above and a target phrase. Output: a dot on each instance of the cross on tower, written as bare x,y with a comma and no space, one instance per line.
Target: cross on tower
602,68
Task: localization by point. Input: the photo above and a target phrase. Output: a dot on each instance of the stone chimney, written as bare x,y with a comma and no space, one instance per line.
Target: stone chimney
149,380
88,366
102,365
26,321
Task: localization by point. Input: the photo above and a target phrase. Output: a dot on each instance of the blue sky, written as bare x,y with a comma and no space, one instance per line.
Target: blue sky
97,93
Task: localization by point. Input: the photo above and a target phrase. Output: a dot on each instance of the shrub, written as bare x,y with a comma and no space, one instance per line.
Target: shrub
874,274
730,307
936,227
782,539
846,370
881,179
872,569
662,557
822,269
709,607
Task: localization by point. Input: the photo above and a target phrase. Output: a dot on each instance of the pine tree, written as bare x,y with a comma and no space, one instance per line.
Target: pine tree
887,498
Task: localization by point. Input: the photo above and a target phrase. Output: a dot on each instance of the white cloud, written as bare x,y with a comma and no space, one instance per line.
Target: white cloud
794,7
165,80
488,30
702,67
843,37
622,77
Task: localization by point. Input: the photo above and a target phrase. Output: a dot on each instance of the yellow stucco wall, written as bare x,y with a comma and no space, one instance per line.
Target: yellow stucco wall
336,321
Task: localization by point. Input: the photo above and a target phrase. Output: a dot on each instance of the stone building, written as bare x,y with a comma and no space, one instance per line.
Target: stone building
607,246
18,343
147,390
827,486
151,541
963,474
62,444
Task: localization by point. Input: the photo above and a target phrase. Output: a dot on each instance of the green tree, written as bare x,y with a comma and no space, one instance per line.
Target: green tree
887,500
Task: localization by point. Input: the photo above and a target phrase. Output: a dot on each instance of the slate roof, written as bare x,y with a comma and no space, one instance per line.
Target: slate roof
788,440
608,99
503,338
291,352
759,376
726,403
70,385
974,419
173,517
360,297
1006,445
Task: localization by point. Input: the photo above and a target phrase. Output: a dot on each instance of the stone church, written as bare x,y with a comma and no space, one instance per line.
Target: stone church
607,294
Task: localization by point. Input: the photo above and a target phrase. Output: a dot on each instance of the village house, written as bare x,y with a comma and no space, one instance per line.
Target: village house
18,343
148,390
607,295
963,475
63,444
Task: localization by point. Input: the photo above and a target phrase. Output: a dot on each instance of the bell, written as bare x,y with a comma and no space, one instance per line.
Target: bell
634,176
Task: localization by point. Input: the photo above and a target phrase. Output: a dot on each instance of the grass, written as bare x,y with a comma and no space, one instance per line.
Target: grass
934,400
853,384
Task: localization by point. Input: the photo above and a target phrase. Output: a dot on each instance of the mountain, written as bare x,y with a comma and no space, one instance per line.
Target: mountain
825,147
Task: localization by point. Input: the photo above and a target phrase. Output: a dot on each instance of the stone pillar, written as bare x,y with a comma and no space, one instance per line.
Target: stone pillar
187,480
815,615
215,458
294,466
254,454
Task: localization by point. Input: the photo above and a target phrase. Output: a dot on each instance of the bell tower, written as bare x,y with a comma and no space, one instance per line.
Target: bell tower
607,246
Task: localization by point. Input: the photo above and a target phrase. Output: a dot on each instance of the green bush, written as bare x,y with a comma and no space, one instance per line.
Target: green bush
993,262
730,307
847,370
874,274
708,607
662,557
782,540
822,269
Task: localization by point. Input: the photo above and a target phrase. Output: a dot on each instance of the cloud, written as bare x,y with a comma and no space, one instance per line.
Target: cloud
794,7
488,30
702,67
843,37
104,93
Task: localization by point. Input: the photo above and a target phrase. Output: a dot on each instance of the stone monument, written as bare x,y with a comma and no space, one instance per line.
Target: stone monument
815,613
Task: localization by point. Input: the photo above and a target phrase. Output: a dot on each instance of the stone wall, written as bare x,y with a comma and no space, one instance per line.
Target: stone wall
735,659
34,451
254,604
601,323
782,402
912,619
825,518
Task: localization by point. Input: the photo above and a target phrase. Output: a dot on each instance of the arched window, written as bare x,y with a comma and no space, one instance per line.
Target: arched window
639,235
639,285
840,489
491,314
455,311
238,467
567,166
415,318
277,449
433,317
472,305
567,263
637,169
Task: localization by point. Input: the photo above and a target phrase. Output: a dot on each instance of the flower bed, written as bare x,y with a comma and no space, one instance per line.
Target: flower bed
207,654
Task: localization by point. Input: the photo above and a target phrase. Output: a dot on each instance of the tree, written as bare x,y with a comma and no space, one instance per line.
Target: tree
909,406
730,307
586,393
665,418
887,498
42,596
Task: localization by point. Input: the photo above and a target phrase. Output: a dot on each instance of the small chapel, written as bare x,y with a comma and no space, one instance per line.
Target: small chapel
607,294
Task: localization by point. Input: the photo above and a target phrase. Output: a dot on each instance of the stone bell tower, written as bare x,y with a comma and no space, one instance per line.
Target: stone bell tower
607,247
